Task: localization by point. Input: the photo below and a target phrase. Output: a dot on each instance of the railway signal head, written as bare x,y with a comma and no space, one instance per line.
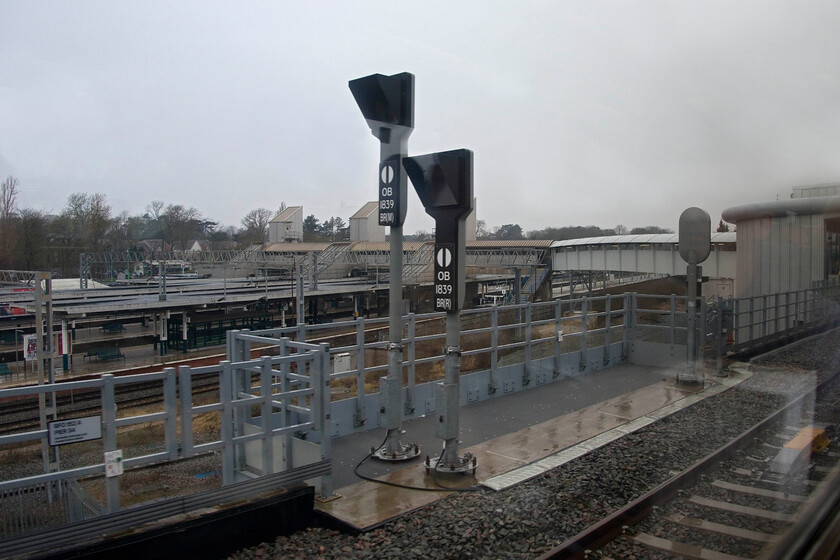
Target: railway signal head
386,102
444,184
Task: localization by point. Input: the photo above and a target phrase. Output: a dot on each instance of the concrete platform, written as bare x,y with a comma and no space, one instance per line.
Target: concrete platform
507,458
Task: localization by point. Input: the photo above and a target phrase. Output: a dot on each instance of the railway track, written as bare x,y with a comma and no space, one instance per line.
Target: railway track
735,503
22,414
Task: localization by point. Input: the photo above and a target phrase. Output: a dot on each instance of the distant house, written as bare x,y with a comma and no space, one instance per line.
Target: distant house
287,226
151,245
197,245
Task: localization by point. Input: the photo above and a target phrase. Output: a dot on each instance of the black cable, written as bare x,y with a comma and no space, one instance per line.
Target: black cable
441,488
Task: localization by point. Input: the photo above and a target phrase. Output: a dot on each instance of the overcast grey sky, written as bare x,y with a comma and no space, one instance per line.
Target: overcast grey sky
578,112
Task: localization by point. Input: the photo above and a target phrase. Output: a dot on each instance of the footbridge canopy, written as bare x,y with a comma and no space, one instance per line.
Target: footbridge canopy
651,253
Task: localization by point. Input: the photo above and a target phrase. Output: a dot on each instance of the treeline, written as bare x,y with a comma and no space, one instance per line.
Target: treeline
514,232
35,240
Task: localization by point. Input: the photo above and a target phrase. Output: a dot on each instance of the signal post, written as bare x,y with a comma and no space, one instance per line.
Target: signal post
387,103
444,184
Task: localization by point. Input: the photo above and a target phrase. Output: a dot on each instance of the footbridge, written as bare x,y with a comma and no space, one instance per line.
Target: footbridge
656,254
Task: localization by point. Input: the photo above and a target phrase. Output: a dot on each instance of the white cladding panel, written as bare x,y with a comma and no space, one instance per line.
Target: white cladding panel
367,229
658,258
780,254
286,226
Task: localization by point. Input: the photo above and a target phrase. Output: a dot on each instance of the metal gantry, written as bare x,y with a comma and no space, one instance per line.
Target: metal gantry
18,277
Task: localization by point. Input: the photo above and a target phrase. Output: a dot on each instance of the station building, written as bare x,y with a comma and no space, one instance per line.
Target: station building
787,245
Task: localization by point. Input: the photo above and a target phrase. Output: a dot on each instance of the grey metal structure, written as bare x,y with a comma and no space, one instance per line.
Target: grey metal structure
387,103
17,277
292,403
695,246
559,338
444,183
786,245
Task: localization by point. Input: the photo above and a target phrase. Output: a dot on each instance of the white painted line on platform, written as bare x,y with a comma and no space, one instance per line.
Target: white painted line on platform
560,458
507,457
624,418
513,477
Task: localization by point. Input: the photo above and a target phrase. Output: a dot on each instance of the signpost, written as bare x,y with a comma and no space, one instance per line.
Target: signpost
444,184
387,103
695,245
62,432
30,347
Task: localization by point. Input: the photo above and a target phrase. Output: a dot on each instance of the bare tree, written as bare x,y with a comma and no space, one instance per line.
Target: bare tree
154,209
89,216
31,240
8,198
620,229
481,230
180,224
255,224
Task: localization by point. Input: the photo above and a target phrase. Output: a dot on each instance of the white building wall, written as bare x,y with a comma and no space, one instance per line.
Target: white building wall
780,254
657,259
289,228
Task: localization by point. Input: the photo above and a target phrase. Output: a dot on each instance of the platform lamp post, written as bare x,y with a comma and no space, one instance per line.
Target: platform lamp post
444,184
387,103
695,241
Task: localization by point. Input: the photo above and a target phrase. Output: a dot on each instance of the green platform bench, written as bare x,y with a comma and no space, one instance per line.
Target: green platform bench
105,354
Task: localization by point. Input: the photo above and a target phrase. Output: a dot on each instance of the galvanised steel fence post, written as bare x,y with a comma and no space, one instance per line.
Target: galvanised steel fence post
239,351
410,355
700,334
170,407
584,307
673,321
629,323
751,318
607,324
526,374
266,408
719,337
321,382
285,412
764,316
185,390
226,419
558,337
109,440
494,351
360,415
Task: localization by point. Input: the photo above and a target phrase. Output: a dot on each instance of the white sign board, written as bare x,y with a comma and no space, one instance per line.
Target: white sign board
61,432
30,347
113,463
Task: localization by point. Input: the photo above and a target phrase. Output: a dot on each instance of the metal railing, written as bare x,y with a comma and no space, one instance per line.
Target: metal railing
292,386
273,413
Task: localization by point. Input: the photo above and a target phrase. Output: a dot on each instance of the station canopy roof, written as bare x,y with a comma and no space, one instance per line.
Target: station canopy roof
640,239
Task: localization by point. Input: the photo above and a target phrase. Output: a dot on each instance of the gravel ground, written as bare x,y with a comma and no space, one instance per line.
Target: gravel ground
527,520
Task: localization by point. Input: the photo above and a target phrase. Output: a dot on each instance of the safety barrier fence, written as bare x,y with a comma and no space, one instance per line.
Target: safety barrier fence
274,413
292,386
44,505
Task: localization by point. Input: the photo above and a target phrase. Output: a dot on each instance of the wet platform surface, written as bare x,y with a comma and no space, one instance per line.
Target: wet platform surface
506,434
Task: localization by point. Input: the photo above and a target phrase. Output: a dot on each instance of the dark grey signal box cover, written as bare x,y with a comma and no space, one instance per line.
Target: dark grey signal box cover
444,184
386,99
695,235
